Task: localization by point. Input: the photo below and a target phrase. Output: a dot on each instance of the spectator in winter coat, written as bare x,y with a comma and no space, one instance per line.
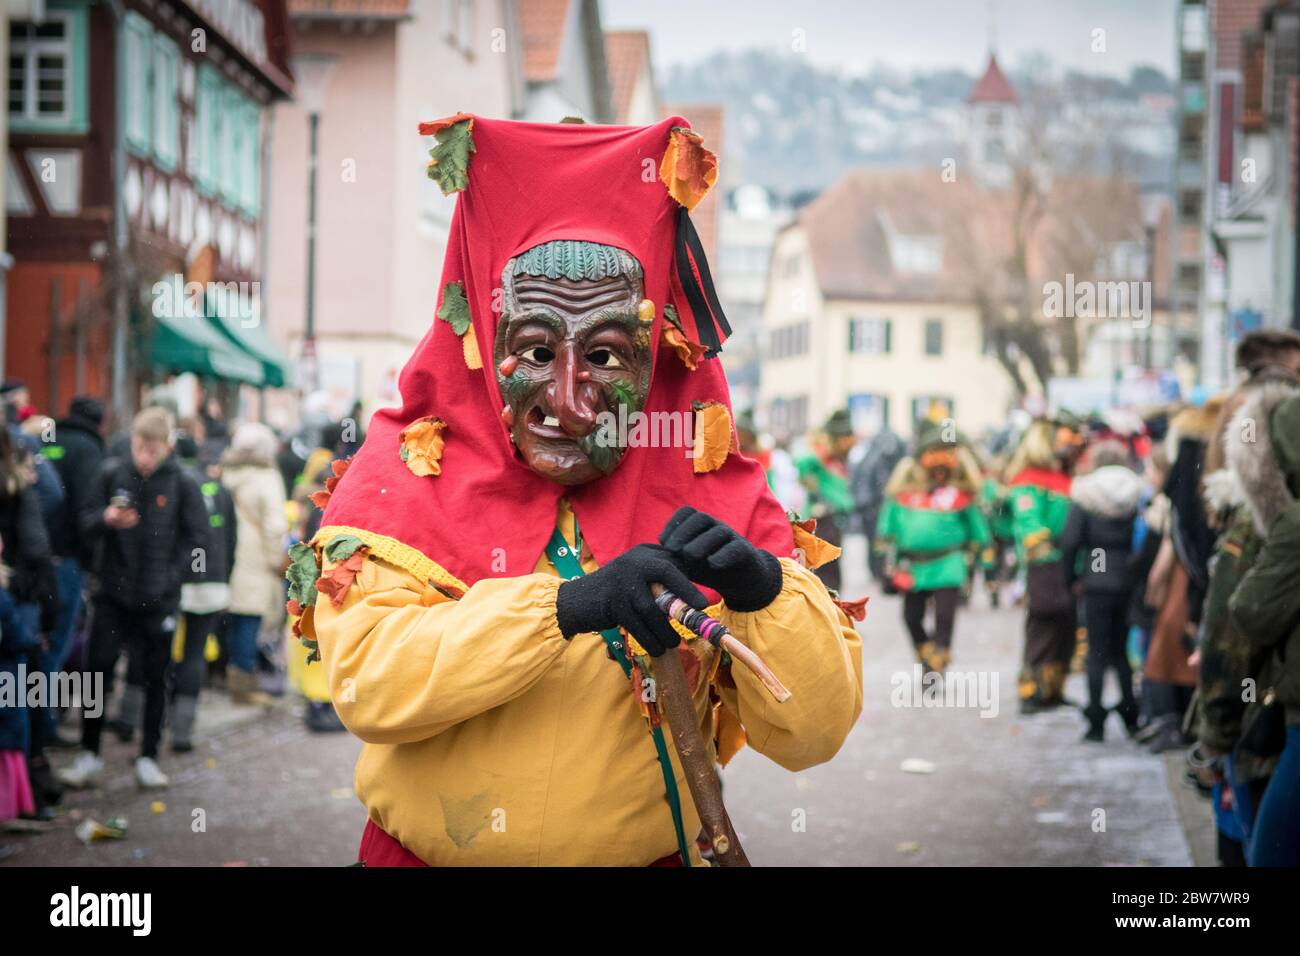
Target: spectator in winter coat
250,473
1266,608
76,452
1097,551
148,515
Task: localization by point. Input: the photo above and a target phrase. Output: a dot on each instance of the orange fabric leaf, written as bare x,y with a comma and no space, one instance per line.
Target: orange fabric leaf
304,626
713,436
321,498
815,552
687,169
437,126
689,352
469,345
294,608
855,610
421,445
336,581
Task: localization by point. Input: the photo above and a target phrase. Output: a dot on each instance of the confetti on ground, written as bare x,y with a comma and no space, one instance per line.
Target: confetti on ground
909,847
157,807
917,765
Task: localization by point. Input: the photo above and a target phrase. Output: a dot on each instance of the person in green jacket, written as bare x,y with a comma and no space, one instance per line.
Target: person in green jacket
1265,607
929,530
1038,487
824,475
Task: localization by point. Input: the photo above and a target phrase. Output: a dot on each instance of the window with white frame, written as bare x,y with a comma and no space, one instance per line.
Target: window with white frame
42,69
934,336
869,336
458,25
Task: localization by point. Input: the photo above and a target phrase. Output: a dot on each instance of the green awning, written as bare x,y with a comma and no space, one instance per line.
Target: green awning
253,340
186,343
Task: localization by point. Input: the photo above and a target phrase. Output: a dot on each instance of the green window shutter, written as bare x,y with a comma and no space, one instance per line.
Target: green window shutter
137,70
205,119
166,109
230,144
889,335
252,157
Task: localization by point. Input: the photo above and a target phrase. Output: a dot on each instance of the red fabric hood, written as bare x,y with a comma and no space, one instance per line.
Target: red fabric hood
487,514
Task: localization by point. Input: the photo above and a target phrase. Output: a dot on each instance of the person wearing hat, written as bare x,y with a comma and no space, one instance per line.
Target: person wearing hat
930,531
1038,487
824,473
480,589
17,401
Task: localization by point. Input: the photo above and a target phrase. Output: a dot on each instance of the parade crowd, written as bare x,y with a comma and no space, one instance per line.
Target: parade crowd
163,548
1161,546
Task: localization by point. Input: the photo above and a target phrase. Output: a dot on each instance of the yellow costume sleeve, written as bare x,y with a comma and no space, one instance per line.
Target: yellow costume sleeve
404,662
814,650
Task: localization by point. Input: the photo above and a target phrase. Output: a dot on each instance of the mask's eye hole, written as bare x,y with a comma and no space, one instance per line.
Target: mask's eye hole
603,358
538,354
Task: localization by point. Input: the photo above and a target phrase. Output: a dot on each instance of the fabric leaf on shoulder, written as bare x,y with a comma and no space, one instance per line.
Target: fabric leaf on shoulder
812,551
348,553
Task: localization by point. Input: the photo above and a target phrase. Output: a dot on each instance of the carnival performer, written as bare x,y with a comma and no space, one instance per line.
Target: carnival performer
930,531
1038,480
824,473
480,588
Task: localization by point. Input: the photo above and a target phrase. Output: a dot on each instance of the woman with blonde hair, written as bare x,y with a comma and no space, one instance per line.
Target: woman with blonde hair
249,472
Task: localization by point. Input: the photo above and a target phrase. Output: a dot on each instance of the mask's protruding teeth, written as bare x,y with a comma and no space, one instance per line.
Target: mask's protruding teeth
551,420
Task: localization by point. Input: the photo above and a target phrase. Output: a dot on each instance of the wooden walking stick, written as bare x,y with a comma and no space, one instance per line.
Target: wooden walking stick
674,696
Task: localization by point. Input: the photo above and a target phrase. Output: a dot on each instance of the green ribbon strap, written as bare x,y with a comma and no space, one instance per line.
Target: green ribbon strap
565,558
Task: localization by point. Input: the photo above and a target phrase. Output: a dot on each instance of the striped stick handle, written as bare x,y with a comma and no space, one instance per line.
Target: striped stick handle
716,633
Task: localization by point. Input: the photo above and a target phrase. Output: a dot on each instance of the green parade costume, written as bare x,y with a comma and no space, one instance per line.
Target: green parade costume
928,534
1038,487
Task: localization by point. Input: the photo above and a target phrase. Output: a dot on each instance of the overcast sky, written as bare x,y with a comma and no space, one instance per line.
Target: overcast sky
854,35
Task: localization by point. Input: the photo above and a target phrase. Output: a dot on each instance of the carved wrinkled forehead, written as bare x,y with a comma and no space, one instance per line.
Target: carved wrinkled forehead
573,261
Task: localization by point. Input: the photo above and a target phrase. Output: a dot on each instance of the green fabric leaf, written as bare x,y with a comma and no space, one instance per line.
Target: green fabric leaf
343,547
454,309
450,166
670,316
302,574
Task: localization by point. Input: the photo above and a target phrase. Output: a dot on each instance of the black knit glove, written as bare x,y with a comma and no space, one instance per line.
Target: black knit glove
715,555
618,595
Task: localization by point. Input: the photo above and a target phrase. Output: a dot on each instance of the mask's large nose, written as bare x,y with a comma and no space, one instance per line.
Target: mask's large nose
572,400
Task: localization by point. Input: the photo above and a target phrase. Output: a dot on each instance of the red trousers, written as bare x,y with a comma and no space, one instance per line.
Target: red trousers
380,849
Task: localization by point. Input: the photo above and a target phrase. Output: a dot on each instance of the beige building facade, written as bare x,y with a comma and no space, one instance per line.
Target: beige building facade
382,225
